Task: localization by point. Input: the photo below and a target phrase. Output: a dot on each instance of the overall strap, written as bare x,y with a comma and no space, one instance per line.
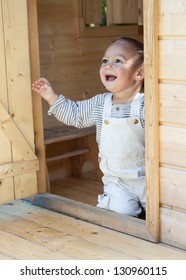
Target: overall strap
107,105
135,105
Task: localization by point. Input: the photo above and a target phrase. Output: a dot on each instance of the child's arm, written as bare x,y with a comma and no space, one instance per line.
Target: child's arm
43,87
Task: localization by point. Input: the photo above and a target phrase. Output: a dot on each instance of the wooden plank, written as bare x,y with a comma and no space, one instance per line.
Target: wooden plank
171,60
135,248
172,18
173,227
77,188
140,12
7,184
172,104
6,190
93,12
17,168
10,129
93,214
172,188
55,17
172,146
18,248
64,133
151,115
109,31
36,99
124,12
26,184
73,153
59,241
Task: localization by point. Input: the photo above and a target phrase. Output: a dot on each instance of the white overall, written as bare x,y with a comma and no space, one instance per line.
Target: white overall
122,161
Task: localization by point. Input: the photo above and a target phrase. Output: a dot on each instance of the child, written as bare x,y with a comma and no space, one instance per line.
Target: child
119,119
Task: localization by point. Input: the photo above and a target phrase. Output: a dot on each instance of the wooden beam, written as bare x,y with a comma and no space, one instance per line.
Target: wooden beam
152,115
69,154
36,99
92,214
18,168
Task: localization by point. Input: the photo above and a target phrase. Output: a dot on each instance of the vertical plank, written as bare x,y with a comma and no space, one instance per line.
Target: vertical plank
123,12
140,12
93,12
6,184
15,21
152,115
37,102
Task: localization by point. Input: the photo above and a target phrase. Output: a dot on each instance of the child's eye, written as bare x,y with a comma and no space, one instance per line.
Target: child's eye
118,60
104,61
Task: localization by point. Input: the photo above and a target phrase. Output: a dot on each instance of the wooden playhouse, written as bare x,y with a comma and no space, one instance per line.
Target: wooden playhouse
47,168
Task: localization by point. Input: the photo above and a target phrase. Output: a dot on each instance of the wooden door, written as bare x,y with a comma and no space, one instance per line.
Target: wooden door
18,120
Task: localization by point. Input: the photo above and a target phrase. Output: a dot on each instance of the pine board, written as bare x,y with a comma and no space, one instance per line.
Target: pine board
31,232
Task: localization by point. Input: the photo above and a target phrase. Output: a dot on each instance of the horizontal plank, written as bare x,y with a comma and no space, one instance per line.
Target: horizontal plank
78,188
63,133
58,241
172,17
55,17
67,73
18,168
103,31
173,227
171,56
69,47
172,188
18,248
172,100
69,154
93,214
172,146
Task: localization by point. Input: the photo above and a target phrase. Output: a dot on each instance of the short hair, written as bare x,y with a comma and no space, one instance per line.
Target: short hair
139,48
137,45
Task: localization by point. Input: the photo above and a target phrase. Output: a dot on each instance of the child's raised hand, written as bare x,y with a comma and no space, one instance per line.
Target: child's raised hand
43,87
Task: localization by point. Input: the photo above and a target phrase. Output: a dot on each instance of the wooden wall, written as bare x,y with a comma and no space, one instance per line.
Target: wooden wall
172,118
69,59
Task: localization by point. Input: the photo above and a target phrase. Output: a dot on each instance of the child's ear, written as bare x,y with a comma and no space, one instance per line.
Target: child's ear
140,74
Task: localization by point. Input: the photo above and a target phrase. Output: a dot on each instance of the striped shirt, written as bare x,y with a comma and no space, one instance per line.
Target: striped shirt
89,112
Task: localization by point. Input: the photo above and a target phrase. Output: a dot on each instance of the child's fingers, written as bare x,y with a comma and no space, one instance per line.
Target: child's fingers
40,83
44,80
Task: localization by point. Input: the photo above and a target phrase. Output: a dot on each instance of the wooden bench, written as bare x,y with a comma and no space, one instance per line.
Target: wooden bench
55,135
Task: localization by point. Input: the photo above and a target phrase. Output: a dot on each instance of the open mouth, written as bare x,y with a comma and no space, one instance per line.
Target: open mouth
110,78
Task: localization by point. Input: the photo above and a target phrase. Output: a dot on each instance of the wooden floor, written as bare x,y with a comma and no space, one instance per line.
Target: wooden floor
84,189
29,232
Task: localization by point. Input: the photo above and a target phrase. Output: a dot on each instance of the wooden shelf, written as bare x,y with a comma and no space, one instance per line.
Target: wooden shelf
63,133
69,154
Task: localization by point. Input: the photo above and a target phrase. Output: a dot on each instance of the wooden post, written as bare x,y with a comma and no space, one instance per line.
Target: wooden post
37,102
152,114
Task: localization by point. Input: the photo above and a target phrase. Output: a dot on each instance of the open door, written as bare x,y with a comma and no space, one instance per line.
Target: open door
18,140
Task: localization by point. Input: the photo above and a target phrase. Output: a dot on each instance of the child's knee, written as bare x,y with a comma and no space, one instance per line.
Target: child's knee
128,206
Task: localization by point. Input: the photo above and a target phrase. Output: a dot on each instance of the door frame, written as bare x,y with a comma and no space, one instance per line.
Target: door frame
147,229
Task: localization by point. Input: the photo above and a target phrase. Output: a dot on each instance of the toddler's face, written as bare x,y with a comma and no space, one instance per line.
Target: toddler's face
119,67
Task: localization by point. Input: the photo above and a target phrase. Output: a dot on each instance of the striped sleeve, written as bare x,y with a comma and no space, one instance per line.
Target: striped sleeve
142,112
79,114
